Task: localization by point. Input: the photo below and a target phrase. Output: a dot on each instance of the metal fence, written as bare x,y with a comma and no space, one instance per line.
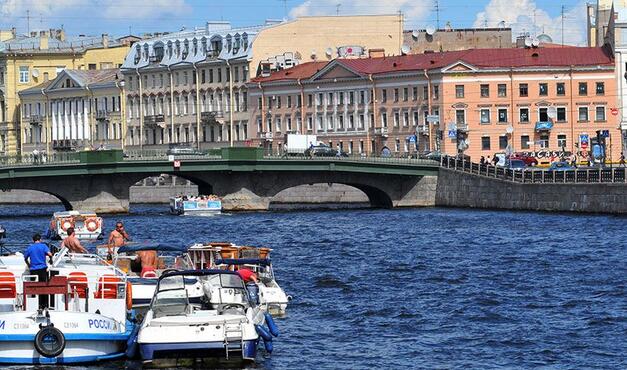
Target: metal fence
357,158
31,159
539,176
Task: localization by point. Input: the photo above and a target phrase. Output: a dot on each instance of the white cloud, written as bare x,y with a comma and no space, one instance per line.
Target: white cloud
525,16
412,9
142,9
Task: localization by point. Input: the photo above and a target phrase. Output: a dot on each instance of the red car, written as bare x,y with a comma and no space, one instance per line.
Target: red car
529,160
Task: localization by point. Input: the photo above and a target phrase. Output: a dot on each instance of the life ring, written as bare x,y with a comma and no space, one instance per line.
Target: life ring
49,341
92,224
66,223
129,295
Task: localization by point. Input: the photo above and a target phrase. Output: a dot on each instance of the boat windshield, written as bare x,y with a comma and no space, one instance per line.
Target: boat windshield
171,299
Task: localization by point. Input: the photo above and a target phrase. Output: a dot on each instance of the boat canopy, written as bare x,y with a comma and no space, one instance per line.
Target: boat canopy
152,247
244,261
198,273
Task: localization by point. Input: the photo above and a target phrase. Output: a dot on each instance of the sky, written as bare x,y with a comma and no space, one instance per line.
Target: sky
121,17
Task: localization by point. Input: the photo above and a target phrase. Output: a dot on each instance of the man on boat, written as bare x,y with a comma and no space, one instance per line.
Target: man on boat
117,238
35,258
72,243
149,261
247,275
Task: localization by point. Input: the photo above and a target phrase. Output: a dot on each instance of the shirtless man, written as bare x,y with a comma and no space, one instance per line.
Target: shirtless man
72,243
117,238
148,260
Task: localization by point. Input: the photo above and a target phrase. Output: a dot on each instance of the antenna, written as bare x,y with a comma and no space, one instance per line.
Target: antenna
28,21
437,13
337,9
284,7
562,25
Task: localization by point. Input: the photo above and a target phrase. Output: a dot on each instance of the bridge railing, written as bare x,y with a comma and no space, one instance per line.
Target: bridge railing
164,154
31,159
356,158
539,176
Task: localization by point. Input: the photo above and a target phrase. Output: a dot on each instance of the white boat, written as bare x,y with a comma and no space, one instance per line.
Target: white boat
196,206
227,256
223,325
87,225
87,319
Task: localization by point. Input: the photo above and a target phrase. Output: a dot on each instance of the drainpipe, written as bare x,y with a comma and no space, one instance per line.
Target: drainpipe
120,86
302,107
511,97
141,111
171,139
91,115
197,106
228,64
374,113
572,112
431,138
43,92
263,109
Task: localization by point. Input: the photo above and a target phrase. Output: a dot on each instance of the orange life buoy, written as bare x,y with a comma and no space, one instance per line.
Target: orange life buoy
129,295
92,224
66,223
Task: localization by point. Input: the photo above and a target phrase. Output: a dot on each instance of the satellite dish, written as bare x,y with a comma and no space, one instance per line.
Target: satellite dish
509,129
405,49
415,34
35,73
551,112
313,54
528,42
329,52
544,38
430,30
535,42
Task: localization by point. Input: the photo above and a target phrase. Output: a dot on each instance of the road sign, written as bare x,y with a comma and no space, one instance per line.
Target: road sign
584,141
170,158
452,133
432,118
412,139
614,111
605,133
177,164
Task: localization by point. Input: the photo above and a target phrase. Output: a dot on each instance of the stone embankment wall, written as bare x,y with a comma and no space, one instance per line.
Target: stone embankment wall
458,189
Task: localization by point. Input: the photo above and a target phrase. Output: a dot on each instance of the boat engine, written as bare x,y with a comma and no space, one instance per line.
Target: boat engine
3,232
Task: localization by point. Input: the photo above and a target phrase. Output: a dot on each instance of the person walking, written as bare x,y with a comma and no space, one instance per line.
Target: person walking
621,161
495,160
35,258
482,160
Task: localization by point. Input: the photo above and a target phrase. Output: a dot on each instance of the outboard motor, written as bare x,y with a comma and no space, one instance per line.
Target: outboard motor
253,292
3,232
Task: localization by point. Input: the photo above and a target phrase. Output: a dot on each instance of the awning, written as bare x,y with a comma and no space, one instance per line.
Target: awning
544,125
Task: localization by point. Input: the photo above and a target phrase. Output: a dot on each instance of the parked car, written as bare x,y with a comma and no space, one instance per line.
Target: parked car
516,164
183,150
323,151
529,160
560,166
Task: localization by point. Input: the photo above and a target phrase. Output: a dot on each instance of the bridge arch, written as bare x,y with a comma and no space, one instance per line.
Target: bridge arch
159,187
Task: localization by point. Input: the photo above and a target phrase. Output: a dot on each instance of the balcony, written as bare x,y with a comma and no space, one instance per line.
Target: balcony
211,117
35,120
544,125
383,131
156,120
102,115
265,135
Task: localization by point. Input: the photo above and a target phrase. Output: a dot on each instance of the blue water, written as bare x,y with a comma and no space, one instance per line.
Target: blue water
422,288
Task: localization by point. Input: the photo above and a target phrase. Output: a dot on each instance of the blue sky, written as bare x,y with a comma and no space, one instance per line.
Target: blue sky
117,17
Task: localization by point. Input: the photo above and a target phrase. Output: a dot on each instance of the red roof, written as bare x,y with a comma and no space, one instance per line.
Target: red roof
479,58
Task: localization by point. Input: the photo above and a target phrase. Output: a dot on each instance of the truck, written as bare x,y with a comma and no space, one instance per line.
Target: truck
297,144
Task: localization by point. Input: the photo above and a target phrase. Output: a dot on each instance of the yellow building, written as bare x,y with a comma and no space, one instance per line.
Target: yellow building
27,61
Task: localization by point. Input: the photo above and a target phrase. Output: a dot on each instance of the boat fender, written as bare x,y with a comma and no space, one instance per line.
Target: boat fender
263,333
49,341
131,344
129,296
268,345
274,329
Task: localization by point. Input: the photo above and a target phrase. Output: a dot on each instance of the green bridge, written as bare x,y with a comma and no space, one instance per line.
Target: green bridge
243,177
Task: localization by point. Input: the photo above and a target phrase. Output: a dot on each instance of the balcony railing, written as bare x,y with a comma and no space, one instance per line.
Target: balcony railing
210,117
35,120
102,114
381,131
157,119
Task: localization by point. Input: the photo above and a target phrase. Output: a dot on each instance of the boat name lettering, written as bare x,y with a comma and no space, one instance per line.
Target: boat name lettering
21,325
100,324
70,325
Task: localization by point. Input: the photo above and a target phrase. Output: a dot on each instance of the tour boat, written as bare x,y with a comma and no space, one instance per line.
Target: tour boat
227,256
196,206
87,225
223,325
87,319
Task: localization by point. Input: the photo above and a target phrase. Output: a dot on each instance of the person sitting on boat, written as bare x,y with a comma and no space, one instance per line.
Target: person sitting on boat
117,238
35,258
247,275
148,261
72,243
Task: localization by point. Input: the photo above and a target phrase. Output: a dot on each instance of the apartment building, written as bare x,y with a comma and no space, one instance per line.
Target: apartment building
189,87
481,101
29,60
77,110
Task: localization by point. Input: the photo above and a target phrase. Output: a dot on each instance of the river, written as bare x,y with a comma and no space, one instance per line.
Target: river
421,288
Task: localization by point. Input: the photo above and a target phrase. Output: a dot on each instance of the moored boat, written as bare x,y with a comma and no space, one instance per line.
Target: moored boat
196,205
87,225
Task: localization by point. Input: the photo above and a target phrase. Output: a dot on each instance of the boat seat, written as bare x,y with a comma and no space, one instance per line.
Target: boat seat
7,285
78,282
107,287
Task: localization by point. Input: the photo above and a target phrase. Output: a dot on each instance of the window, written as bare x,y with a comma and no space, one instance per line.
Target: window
544,141
202,76
384,119
524,142
331,98
583,88
289,101
543,89
210,75
560,89
561,114
362,120
405,94
362,97
523,90
600,113
485,143
416,118
414,93
219,74
583,114
277,122
405,119
502,90
436,92
460,117
425,91
384,96
351,122
351,98
236,74
485,90
24,74
309,123
502,115
397,118
600,88
227,74
524,115
278,102
309,100
543,114
319,99
503,142
484,116
459,91
561,141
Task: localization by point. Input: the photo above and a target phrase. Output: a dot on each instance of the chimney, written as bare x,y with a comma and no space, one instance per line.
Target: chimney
60,35
14,32
43,40
105,40
376,53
